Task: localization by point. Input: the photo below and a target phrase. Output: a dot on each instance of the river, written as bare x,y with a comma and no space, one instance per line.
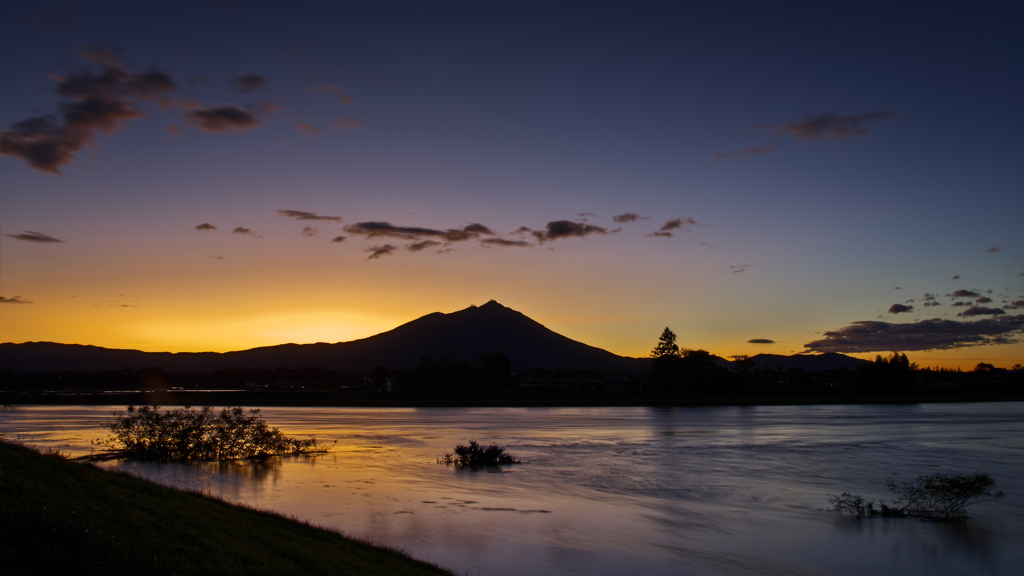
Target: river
683,491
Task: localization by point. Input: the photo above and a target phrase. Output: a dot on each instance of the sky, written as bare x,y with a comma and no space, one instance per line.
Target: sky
785,177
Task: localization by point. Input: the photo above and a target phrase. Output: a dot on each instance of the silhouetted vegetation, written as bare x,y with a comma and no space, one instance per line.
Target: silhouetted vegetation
933,496
671,376
147,433
60,517
476,456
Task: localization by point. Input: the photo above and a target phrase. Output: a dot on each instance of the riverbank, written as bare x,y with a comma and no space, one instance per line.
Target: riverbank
58,516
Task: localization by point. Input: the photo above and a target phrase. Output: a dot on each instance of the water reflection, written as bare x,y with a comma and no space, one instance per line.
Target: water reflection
628,490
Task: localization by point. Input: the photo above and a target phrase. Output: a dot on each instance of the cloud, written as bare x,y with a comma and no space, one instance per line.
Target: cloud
307,129
206,226
423,245
1015,305
378,251
983,300
981,311
248,83
14,300
477,228
898,308
91,102
338,91
934,334
310,231
30,236
300,215
566,229
995,248
388,230
666,230
830,126
503,242
738,269
338,239
344,123
760,341
222,119
745,153
964,294
629,217
245,231
957,277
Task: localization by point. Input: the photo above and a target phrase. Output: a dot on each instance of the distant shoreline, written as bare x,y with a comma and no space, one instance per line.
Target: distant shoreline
539,399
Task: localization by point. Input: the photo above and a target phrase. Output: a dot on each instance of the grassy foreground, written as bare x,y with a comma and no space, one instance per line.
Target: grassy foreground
57,516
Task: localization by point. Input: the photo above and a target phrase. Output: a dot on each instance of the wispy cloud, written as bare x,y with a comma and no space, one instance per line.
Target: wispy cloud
222,119
504,242
245,231
668,229
422,245
745,153
345,123
301,215
310,231
933,334
559,229
829,126
14,300
995,248
248,83
30,236
629,217
378,251
338,239
388,230
334,90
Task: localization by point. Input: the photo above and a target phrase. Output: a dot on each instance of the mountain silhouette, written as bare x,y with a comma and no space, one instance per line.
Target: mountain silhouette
465,335
806,362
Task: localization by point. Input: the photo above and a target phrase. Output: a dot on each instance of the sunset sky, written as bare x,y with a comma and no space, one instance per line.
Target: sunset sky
775,177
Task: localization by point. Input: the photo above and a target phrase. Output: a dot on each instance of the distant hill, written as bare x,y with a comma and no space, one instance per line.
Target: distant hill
806,362
465,335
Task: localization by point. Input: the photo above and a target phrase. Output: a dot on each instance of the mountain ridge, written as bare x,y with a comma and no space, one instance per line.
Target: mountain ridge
464,334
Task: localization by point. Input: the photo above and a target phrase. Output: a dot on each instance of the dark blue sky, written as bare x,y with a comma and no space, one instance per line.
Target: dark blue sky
735,170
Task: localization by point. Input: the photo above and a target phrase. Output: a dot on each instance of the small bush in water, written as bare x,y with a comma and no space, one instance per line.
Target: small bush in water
932,496
475,455
146,433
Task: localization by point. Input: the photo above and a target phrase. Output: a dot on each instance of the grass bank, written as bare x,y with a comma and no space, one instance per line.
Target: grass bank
58,516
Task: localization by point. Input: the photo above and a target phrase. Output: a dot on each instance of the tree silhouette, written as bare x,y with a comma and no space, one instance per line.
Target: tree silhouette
666,347
664,360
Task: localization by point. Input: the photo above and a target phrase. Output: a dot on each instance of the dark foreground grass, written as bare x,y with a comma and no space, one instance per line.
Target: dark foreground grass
57,516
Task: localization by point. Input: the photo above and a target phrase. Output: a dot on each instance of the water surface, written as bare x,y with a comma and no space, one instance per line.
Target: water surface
701,491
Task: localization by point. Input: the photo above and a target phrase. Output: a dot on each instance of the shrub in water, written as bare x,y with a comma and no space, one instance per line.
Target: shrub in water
475,455
932,496
146,433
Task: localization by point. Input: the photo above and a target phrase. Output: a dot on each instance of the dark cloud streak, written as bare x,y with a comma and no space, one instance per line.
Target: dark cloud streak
933,334
30,236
